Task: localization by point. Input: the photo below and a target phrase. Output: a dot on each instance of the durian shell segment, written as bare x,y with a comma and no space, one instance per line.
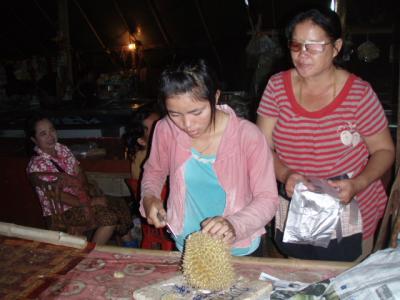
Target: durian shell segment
207,263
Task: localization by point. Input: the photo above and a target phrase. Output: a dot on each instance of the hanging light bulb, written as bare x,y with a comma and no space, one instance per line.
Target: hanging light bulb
132,46
131,42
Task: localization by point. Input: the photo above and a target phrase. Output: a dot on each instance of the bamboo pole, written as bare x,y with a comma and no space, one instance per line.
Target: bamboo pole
46,16
98,38
159,24
203,21
395,59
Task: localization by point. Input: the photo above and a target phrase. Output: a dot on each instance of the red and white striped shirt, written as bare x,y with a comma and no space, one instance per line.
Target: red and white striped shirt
328,142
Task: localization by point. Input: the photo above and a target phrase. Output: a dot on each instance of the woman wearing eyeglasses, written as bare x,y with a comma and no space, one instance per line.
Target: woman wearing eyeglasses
325,122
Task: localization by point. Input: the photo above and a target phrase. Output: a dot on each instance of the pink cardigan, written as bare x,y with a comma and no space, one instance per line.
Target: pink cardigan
244,166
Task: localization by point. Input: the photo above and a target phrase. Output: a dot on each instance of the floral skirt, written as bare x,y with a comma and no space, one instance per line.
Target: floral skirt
116,212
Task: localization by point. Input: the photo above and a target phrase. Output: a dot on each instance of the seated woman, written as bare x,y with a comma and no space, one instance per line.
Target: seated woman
78,207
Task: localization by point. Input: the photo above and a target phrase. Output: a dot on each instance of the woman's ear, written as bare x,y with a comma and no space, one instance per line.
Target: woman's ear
217,94
337,45
33,140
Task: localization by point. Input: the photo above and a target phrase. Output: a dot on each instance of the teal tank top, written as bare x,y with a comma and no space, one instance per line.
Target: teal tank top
205,198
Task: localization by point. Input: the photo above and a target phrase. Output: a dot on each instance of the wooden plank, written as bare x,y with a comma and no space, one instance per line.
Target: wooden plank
272,262
398,113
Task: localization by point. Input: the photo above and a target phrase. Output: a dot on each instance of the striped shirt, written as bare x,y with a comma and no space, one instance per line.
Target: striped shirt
328,142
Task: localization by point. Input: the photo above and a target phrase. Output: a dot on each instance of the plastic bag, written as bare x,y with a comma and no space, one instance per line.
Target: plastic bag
313,215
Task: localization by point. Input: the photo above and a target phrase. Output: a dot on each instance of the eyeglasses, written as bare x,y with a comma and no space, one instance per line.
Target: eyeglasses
311,47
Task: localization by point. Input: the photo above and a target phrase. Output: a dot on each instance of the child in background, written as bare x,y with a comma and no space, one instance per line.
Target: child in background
137,136
241,105
136,142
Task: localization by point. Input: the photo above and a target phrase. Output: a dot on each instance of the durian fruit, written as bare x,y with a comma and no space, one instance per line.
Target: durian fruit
207,263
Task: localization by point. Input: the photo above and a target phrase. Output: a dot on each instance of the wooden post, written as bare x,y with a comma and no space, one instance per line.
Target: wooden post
342,12
64,63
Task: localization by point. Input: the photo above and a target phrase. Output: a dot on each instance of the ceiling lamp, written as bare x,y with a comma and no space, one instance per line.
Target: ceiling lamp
132,46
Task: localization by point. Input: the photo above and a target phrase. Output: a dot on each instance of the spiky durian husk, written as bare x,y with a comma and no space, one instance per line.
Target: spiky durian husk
207,263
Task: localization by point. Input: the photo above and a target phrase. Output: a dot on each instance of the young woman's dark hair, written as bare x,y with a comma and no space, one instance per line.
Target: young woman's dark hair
327,19
194,77
30,131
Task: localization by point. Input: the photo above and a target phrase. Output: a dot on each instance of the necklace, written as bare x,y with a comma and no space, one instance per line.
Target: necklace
301,88
207,146
216,132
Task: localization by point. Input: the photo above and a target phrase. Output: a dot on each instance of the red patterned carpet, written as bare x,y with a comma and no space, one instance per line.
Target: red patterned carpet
104,275
30,269
27,267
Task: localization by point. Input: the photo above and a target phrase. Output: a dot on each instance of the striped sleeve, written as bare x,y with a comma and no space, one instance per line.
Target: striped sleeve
268,104
370,116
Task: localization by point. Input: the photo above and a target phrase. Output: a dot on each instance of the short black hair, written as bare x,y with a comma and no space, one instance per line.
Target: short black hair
195,77
327,19
30,124
135,129
30,130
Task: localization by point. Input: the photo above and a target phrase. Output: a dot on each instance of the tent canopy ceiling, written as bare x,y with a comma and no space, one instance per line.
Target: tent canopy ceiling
32,26
164,29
